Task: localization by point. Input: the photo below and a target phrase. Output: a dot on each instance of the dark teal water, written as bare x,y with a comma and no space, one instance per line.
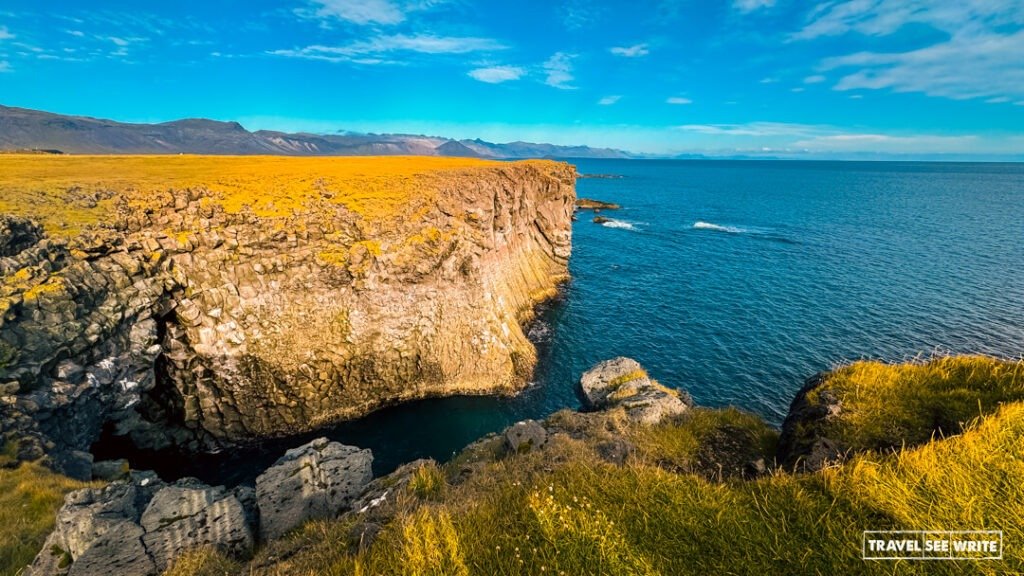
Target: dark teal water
738,280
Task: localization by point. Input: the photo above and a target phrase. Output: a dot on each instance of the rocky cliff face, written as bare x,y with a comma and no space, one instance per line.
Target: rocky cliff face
221,306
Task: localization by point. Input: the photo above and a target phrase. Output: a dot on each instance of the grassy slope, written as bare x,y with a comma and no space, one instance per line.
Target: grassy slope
564,511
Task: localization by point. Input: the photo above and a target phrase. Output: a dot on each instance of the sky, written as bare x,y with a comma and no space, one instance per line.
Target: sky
857,78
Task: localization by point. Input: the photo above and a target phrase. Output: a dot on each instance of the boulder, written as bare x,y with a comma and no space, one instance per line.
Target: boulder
803,444
110,470
190,515
524,436
139,526
317,480
622,382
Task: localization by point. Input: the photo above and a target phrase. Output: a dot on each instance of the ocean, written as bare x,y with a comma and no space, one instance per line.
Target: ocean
736,281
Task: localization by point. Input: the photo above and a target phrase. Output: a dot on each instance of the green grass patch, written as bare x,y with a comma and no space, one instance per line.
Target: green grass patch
30,496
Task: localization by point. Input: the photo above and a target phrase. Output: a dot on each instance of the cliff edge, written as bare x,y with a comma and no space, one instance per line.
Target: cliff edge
203,302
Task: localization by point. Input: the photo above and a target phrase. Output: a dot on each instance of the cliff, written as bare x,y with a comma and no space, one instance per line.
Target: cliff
203,302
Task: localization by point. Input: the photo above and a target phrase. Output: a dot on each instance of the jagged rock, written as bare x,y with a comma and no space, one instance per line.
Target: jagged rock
75,464
317,480
139,526
17,234
524,436
802,444
110,470
623,382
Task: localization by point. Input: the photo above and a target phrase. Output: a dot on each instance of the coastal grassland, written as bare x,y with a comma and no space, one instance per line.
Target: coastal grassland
69,193
886,406
29,498
566,510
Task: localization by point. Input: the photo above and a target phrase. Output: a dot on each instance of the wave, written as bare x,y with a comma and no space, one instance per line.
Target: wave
699,225
610,223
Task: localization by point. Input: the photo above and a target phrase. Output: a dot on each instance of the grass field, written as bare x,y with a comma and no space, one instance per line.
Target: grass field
67,193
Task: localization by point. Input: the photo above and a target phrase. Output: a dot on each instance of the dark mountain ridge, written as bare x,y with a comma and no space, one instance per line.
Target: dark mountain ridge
25,129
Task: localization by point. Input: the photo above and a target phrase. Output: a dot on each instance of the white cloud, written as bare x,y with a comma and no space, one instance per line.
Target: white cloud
360,11
678,100
769,80
634,51
5,34
497,74
831,139
889,144
374,50
76,33
758,129
815,79
746,6
118,41
5,66
999,100
980,56
609,100
968,65
883,17
856,96
559,71
798,89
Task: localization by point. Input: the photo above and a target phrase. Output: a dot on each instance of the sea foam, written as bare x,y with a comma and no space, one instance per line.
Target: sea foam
699,225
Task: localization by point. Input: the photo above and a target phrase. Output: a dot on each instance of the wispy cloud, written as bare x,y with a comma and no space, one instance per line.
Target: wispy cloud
609,100
579,14
634,51
497,74
359,11
979,57
758,129
746,6
968,65
76,33
769,80
815,79
5,67
5,34
794,137
678,100
375,50
559,71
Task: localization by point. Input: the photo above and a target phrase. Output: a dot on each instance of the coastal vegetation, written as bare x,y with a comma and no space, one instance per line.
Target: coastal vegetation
69,193
684,500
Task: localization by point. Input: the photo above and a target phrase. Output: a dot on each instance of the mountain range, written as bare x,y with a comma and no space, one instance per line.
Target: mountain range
25,129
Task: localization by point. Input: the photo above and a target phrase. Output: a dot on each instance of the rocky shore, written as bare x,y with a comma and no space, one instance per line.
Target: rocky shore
139,524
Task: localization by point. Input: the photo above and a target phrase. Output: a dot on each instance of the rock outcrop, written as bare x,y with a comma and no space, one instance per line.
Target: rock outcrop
317,480
623,382
139,526
219,301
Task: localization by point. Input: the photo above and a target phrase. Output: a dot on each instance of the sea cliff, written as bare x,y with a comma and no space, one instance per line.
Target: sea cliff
202,302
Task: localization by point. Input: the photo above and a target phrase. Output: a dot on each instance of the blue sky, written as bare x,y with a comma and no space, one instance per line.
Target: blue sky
773,77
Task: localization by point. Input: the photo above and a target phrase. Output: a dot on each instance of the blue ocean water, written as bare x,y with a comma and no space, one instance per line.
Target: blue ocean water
738,280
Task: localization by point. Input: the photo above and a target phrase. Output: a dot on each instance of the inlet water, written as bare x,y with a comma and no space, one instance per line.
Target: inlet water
736,281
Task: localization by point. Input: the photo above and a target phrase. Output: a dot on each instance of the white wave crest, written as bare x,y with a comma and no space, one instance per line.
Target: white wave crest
717,227
618,224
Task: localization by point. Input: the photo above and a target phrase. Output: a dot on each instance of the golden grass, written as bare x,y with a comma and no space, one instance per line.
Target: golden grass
68,193
886,405
29,498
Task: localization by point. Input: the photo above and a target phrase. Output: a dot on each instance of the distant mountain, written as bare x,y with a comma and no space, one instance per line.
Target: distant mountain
24,129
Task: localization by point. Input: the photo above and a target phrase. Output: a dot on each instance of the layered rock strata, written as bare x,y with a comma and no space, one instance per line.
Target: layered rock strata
225,307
